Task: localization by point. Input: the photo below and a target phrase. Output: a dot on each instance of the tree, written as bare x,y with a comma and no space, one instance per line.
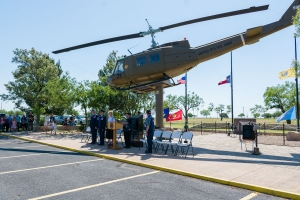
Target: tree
205,113
35,70
72,112
228,109
241,115
281,97
219,110
82,96
171,102
191,115
60,94
224,115
276,114
211,107
257,111
256,115
178,102
267,115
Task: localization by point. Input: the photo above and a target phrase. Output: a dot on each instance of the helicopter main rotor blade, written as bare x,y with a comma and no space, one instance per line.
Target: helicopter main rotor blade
228,14
125,37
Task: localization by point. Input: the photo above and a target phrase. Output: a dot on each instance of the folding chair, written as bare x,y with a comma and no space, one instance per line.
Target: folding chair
87,135
143,141
186,141
165,137
157,137
119,135
175,139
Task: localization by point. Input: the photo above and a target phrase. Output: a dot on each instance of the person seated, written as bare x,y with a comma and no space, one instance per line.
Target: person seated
66,122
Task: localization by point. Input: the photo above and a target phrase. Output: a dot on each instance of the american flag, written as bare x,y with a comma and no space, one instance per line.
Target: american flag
181,81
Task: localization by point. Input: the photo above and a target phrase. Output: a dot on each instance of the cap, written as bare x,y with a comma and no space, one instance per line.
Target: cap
148,111
102,110
128,113
94,110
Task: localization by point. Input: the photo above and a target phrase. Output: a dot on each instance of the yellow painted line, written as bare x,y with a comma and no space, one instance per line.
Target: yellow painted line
34,154
260,189
93,186
250,196
50,166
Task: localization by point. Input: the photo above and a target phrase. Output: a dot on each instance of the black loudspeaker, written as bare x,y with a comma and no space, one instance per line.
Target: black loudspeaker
248,133
137,130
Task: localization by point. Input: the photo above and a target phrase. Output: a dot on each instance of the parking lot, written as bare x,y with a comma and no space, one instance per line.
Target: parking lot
33,171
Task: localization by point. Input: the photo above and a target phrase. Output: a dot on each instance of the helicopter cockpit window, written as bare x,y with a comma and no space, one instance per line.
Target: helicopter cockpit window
119,67
141,61
154,58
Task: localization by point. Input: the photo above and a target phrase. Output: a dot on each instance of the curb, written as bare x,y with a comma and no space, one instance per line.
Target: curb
255,188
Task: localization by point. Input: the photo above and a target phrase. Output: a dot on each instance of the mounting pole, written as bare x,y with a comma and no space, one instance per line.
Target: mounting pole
186,113
231,93
296,79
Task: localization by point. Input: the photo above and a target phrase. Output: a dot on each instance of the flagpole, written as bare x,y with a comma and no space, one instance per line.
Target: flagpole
186,123
296,79
231,93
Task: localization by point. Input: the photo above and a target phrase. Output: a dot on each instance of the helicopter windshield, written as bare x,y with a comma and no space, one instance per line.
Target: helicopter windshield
119,67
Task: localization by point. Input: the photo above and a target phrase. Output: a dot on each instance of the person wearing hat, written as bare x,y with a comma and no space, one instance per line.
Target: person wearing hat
127,126
94,126
102,125
149,123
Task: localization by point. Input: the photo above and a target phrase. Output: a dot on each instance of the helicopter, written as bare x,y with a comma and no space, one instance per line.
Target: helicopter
163,62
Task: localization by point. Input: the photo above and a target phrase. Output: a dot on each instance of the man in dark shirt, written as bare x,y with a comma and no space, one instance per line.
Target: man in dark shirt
30,121
102,125
94,126
72,120
127,126
149,123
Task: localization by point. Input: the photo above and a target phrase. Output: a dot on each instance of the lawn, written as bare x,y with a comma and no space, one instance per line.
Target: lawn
209,124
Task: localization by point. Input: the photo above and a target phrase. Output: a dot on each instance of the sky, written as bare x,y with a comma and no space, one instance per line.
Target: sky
50,25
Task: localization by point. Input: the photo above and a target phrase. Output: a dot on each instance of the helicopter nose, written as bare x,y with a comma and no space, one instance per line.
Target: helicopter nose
109,81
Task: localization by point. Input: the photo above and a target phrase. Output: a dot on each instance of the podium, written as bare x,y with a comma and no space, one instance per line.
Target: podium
114,126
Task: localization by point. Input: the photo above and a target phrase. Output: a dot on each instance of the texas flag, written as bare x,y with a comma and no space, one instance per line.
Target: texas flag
174,116
181,81
227,80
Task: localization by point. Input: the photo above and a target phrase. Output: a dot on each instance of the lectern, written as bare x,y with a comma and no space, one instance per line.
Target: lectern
114,126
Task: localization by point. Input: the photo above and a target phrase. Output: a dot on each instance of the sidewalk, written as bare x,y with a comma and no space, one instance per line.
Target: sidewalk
216,155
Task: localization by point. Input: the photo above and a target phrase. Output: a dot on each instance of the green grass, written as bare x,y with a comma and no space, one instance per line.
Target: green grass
221,124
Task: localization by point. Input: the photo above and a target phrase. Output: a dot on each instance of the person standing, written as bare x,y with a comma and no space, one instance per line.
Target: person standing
6,123
1,124
9,121
127,126
14,124
23,122
94,126
18,119
109,132
30,121
54,122
149,123
102,125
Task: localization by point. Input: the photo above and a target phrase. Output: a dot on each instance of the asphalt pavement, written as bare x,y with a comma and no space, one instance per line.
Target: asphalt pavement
33,171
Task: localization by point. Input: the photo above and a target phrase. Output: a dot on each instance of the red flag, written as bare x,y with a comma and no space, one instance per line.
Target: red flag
174,116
